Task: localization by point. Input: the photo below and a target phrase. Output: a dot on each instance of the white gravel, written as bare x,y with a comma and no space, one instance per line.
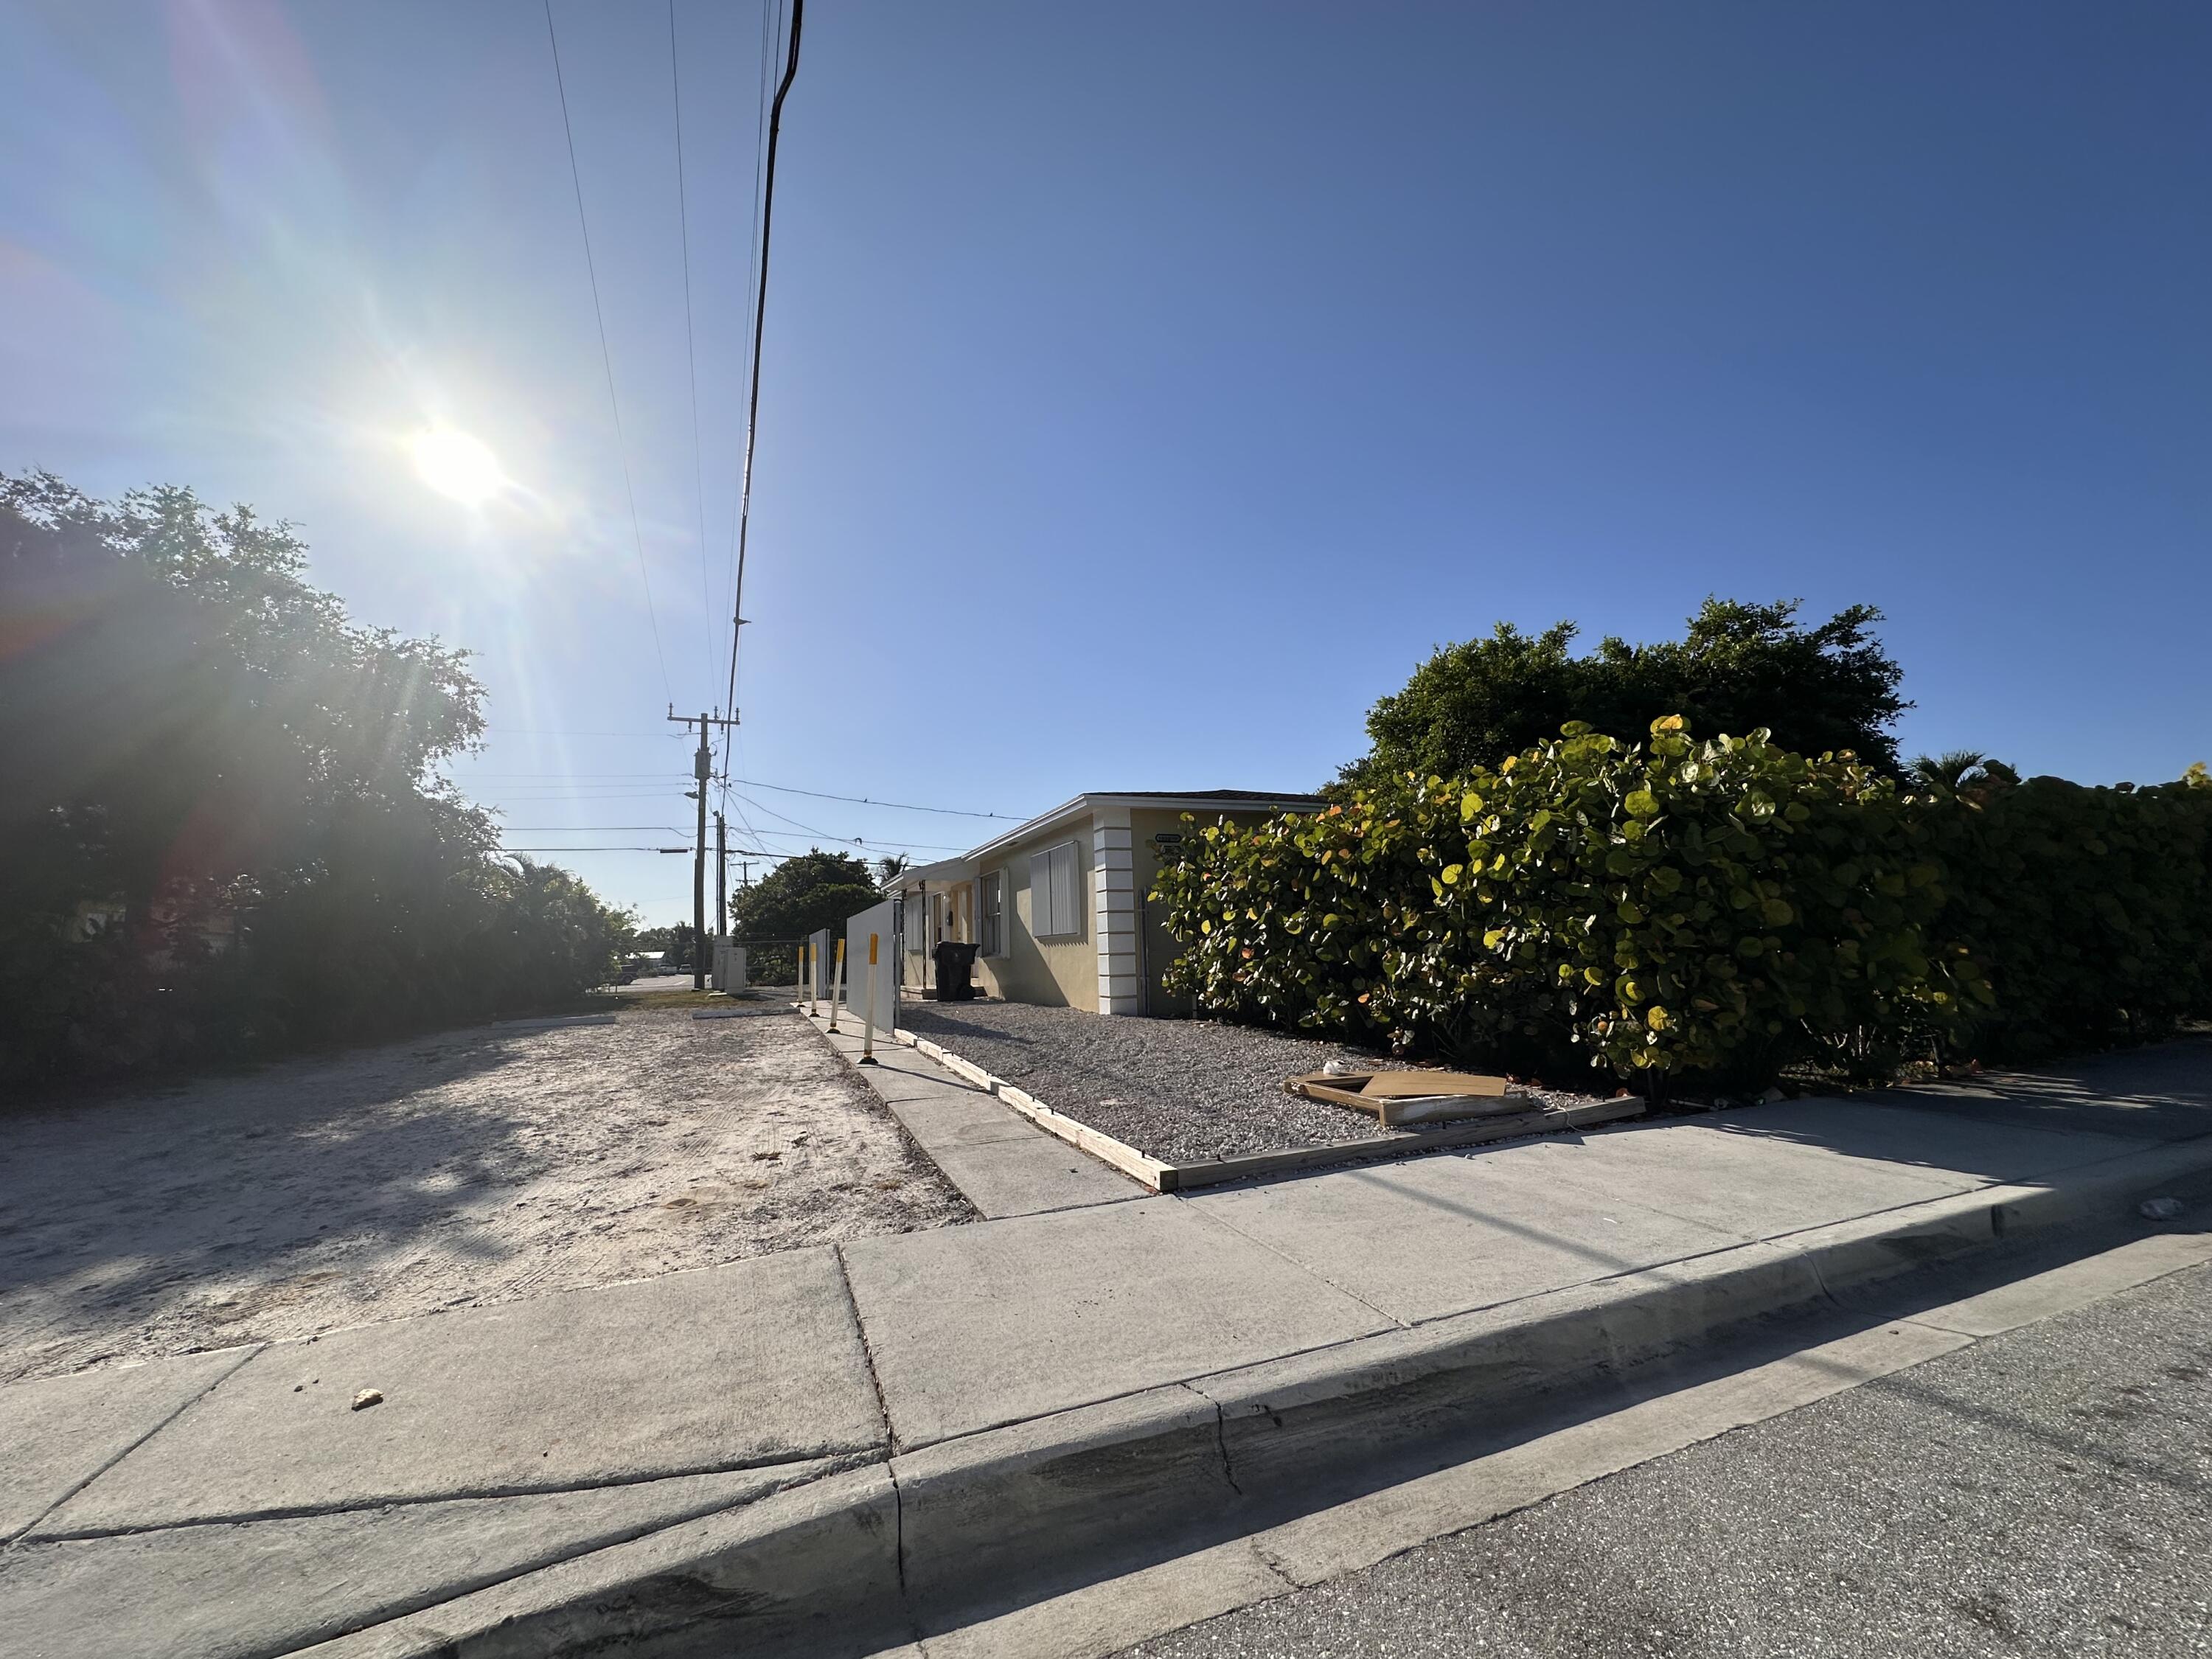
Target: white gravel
472,1167
1183,1091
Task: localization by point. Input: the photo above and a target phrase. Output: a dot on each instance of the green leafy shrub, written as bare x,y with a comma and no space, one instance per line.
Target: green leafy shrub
1717,909
2091,907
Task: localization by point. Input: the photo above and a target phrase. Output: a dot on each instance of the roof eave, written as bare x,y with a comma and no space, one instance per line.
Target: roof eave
1091,802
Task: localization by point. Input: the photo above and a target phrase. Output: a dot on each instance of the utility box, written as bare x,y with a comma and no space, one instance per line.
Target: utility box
729,965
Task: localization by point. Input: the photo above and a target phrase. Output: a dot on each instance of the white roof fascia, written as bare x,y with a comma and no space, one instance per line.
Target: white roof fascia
959,869
1091,803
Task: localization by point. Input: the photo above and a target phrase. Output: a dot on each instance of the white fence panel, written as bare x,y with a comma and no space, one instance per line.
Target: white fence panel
877,920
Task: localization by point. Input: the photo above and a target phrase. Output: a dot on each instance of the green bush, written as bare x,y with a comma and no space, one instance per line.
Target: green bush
1717,910
2091,907
1672,909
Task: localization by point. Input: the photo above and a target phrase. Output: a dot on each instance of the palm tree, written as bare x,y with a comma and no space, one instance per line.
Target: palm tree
891,868
1965,773
1947,773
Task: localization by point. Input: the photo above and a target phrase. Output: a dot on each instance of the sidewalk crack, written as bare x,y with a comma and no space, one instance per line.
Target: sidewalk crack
1268,1560
251,1354
1220,1438
882,1413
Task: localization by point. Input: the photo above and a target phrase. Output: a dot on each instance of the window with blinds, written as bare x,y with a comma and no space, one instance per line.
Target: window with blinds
1053,910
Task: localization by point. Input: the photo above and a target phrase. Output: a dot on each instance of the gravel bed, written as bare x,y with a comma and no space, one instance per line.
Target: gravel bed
1182,1090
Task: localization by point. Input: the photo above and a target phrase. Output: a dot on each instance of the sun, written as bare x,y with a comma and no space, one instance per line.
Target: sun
454,464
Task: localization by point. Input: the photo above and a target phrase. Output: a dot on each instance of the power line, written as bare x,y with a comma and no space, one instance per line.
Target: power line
606,355
691,344
583,828
735,852
560,732
810,829
760,326
816,843
863,800
854,840
736,809
588,779
594,850
771,29
554,797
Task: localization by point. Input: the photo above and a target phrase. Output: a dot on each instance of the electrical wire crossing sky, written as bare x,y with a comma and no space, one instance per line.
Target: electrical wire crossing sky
1135,417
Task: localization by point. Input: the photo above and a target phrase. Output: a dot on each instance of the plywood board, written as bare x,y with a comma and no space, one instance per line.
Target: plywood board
1408,1097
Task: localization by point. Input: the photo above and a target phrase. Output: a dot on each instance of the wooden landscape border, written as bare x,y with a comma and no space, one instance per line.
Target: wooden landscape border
1163,1177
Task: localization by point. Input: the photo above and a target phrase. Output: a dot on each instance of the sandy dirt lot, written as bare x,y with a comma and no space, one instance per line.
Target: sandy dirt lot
471,1167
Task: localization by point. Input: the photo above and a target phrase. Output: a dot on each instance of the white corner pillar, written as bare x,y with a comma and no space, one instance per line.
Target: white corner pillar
1114,909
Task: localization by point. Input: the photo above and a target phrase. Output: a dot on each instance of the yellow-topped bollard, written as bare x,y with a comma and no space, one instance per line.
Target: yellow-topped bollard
868,1029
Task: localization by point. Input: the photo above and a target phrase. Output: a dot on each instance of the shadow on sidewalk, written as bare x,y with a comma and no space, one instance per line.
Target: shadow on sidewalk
2161,1092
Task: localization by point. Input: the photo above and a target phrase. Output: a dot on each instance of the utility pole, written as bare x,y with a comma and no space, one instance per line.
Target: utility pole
703,768
721,877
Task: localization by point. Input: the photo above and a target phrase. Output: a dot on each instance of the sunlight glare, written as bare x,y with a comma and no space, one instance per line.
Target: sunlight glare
454,464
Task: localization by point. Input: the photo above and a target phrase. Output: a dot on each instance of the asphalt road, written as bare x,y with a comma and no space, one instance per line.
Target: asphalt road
2046,1492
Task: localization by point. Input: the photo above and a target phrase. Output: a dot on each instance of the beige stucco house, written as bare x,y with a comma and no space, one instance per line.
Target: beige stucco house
1058,906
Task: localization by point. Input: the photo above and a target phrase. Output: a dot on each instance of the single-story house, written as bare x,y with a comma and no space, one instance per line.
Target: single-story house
1058,906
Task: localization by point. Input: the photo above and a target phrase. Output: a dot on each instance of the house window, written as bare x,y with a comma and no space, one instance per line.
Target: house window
1053,913
991,923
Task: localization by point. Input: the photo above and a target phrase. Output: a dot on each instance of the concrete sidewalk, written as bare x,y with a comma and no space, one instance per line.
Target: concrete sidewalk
816,1450
1002,1163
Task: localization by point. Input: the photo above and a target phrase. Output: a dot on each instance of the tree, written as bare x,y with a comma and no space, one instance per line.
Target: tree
1966,773
205,750
804,895
1739,666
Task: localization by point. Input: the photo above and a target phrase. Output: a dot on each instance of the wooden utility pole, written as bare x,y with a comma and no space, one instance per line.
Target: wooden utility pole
703,768
721,877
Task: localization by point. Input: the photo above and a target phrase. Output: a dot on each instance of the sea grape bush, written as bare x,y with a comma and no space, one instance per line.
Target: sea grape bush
1715,908
2090,907
1678,906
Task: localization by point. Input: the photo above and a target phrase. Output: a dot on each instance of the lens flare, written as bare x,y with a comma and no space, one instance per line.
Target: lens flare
454,464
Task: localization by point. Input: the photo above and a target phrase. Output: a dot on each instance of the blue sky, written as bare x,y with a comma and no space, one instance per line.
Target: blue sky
1148,387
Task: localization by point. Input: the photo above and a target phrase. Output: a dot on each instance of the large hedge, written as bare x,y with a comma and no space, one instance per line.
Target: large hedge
1713,910
2091,907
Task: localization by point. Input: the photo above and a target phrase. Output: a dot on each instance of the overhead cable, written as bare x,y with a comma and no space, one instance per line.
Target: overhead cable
760,324
863,800
691,342
606,355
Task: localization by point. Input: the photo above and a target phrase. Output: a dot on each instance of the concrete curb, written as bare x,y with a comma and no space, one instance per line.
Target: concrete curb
858,1561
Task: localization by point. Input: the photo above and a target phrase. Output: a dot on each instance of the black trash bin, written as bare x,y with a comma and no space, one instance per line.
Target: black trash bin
954,963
